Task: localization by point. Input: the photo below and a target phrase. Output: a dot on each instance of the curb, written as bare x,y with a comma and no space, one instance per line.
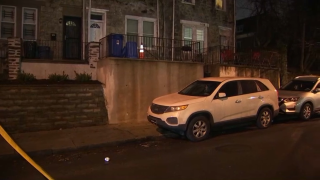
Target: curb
46,152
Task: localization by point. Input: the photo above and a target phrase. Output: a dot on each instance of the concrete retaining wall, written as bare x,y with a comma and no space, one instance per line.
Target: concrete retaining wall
132,84
39,107
237,71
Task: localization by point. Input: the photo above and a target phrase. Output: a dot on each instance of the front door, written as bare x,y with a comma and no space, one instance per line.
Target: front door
72,37
96,29
230,107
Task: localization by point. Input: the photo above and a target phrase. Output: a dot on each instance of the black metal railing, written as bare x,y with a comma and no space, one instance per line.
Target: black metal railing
129,46
227,55
54,50
3,57
4,49
118,45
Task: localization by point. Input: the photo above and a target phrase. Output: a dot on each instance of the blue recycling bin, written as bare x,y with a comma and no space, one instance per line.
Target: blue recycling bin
131,50
115,42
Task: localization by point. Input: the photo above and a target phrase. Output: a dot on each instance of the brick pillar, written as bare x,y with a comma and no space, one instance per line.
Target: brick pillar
93,53
14,56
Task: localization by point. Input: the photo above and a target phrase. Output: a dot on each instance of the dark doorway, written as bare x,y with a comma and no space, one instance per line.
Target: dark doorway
72,37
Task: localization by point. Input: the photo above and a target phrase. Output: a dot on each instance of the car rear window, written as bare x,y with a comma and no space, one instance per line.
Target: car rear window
262,86
248,86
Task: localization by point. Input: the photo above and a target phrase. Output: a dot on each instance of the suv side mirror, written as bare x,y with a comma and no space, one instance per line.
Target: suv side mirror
316,90
222,95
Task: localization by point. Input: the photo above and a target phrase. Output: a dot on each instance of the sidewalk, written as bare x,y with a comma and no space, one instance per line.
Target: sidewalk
49,142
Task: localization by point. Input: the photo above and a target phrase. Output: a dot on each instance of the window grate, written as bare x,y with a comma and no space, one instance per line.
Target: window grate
6,31
28,32
7,14
29,16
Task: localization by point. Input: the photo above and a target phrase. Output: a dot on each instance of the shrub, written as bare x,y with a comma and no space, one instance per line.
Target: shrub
26,77
58,78
83,77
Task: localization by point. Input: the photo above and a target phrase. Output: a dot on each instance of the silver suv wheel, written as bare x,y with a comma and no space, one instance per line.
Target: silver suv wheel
264,118
306,111
198,128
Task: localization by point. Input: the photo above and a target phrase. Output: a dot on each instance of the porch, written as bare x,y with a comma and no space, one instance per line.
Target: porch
131,46
44,57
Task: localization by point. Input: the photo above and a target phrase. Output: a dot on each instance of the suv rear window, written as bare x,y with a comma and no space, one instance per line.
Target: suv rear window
248,86
262,86
200,88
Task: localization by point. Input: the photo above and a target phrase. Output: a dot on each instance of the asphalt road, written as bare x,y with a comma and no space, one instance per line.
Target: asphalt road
285,151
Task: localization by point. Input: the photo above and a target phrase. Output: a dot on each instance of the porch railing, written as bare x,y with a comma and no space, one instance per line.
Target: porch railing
3,56
128,46
54,50
226,55
118,45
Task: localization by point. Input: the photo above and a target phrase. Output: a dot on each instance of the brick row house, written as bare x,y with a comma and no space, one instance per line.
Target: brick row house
55,36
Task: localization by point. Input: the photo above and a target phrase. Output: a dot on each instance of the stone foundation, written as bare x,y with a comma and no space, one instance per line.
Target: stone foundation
26,108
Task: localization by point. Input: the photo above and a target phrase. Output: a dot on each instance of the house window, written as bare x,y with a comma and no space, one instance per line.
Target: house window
141,30
221,5
240,28
189,1
194,34
8,21
29,23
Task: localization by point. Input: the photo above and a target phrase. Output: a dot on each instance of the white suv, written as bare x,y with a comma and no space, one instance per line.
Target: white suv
301,96
213,101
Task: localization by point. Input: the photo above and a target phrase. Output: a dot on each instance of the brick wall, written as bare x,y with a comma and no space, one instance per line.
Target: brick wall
34,107
14,53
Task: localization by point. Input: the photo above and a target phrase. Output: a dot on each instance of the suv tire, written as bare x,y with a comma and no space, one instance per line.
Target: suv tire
306,111
198,129
264,118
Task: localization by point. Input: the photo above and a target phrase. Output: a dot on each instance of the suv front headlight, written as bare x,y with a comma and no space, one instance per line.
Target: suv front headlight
176,108
292,99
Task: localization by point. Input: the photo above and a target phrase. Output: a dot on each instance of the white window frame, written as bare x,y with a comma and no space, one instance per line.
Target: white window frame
15,20
196,26
193,2
36,22
140,26
224,5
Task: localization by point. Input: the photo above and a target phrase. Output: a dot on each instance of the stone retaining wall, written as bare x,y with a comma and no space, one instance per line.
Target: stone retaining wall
26,108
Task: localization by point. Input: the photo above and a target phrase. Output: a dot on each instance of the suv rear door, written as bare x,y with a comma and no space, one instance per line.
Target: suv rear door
253,93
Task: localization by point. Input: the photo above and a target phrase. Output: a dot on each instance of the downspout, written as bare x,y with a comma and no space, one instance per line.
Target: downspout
83,29
89,17
234,26
158,23
158,34
173,9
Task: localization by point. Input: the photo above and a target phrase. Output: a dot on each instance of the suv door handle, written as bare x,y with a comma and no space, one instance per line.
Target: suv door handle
238,101
260,97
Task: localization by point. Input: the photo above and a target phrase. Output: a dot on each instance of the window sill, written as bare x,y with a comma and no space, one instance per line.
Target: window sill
188,3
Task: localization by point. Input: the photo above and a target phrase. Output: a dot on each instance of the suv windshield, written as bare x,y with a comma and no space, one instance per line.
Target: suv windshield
298,85
200,88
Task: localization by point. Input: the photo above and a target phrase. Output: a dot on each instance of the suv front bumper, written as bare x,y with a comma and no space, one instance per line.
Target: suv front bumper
181,128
